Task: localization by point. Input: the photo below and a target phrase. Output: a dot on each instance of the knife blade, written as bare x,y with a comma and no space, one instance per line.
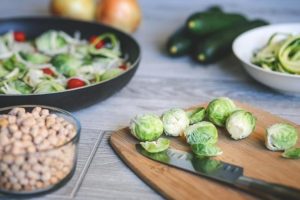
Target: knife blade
221,171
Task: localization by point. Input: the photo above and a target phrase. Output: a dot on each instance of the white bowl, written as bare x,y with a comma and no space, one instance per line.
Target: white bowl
244,46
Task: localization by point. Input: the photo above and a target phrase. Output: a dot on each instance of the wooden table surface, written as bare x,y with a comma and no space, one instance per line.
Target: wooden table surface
161,83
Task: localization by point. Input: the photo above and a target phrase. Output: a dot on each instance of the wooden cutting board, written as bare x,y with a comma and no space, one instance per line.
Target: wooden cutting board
251,153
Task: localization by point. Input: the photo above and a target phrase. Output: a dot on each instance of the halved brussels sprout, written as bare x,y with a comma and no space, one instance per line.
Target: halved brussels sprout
156,146
146,127
35,58
201,133
292,153
240,124
207,150
196,115
219,109
66,64
48,86
175,121
111,73
280,137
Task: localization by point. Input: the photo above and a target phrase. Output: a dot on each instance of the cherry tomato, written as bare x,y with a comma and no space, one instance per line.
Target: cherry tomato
94,39
19,36
123,67
100,44
75,83
48,71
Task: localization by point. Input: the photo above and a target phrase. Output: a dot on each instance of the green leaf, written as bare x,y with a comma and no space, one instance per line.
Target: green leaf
196,115
156,146
292,153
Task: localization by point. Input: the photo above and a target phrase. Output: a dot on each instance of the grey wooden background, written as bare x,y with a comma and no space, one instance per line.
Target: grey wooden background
161,83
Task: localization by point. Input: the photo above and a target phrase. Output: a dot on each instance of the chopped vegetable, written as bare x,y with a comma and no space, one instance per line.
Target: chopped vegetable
156,146
206,150
175,121
196,115
201,133
219,109
281,137
146,127
281,54
293,153
56,58
240,124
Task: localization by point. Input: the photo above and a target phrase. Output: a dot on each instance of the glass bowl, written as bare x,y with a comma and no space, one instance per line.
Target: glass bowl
29,174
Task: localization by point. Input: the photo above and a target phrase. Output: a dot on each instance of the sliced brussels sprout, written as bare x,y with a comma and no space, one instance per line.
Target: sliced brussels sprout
219,109
292,153
3,71
34,76
35,58
51,43
156,146
111,73
196,115
11,63
240,124
207,150
280,137
48,86
146,127
201,133
66,64
16,87
175,122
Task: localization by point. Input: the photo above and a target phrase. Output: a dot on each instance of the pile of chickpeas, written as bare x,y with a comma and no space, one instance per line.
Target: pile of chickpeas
35,149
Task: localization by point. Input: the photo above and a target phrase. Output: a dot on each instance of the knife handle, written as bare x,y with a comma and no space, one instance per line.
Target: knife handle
267,190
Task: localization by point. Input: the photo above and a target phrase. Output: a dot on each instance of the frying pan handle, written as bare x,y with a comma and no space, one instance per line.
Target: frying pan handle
267,190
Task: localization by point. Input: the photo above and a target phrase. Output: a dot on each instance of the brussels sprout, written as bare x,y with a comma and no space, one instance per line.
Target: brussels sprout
50,41
206,150
66,64
206,165
35,58
111,73
196,115
219,109
280,137
293,153
16,87
175,121
11,63
146,127
156,146
48,86
240,124
201,133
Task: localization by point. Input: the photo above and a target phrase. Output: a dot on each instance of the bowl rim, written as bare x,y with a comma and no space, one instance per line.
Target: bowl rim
50,108
248,62
131,68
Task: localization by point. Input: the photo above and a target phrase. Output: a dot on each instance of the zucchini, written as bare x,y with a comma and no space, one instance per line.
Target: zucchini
180,43
219,44
202,24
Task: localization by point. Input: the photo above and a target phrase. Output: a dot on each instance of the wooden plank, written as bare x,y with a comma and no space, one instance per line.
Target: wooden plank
258,162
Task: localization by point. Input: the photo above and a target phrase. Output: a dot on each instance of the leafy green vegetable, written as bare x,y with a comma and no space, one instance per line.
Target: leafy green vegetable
35,58
293,153
281,137
50,41
48,86
156,146
219,109
240,124
111,73
175,122
66,64
16,87
196,115
201,133
146,127
206,150
11,63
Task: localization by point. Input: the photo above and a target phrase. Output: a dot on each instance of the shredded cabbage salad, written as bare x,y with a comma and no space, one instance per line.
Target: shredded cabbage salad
56,61
281,54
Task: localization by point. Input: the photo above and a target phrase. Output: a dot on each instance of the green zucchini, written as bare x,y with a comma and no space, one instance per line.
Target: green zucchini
219,44
180,43
202,24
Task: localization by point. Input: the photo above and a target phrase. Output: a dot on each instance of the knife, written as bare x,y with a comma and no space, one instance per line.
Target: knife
223,172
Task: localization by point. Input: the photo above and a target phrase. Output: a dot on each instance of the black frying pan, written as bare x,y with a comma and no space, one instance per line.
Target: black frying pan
75,98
